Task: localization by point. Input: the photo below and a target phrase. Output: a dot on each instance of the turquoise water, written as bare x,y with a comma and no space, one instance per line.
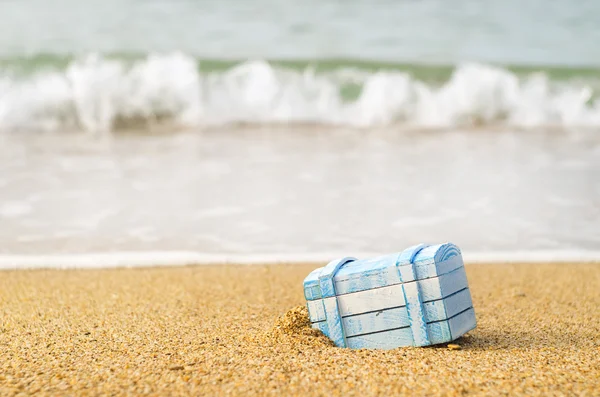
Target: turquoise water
300,191
280,127
533,32
111,65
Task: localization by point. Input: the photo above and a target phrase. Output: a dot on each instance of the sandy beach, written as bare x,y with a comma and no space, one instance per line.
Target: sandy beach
242,330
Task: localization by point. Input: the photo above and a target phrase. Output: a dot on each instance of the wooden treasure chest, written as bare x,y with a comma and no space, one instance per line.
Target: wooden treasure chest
416,297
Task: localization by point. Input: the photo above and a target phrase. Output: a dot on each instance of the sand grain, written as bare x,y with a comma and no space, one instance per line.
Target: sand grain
238,330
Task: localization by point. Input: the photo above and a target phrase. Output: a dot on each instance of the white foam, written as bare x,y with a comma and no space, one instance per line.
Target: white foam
185,258
15,209
98,94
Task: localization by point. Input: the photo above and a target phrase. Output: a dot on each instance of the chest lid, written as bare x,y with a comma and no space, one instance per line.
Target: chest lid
414,263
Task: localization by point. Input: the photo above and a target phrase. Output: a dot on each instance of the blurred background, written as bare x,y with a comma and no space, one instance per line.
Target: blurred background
286,128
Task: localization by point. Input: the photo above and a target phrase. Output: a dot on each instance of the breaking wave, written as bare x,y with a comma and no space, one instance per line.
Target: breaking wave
101,94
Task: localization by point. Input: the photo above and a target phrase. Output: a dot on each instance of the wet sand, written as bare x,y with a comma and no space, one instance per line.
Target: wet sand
241,330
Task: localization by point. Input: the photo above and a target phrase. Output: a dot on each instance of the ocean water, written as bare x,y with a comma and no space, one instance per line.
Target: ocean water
287,129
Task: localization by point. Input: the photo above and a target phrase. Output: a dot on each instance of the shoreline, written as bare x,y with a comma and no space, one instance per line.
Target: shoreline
238,330
149,259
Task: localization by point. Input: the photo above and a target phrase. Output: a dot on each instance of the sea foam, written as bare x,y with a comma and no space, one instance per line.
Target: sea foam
99,94
188,258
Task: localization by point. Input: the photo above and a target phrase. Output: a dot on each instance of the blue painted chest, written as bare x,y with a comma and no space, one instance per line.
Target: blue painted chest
416,297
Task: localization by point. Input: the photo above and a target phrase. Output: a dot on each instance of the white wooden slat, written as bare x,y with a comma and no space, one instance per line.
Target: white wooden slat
398,317
440,332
